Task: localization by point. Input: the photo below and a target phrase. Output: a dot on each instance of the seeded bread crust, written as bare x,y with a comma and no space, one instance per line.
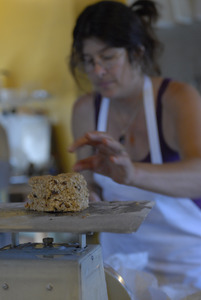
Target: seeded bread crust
60,193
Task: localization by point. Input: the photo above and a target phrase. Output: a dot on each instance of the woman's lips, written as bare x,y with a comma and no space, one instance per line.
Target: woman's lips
105,84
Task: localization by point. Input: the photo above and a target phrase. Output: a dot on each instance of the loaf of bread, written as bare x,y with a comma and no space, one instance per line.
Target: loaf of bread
60,193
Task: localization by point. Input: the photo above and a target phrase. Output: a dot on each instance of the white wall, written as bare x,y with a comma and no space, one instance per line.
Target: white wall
181,58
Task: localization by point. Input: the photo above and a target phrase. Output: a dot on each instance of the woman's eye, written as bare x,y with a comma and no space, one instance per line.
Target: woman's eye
87,60
108,57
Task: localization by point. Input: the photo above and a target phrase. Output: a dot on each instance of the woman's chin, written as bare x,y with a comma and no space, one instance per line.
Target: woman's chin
108,93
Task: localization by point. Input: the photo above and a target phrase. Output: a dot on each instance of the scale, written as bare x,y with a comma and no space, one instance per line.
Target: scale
61,271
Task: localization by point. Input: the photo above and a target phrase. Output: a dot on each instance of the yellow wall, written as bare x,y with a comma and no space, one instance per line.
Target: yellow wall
35,40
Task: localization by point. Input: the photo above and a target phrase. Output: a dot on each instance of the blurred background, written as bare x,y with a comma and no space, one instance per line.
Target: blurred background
37,91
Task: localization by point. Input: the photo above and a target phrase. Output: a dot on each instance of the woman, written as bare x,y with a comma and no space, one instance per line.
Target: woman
145,133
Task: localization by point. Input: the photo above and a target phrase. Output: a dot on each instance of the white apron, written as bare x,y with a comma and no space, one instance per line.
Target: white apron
171,234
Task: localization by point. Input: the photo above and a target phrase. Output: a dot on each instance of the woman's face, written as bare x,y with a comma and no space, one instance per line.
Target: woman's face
108,69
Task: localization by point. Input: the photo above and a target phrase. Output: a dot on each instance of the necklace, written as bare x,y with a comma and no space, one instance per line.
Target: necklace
122,137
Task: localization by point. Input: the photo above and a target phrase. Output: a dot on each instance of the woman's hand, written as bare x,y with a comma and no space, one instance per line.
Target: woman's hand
110,158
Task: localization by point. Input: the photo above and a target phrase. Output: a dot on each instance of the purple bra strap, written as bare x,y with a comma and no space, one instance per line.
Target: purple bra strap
97,103
161,91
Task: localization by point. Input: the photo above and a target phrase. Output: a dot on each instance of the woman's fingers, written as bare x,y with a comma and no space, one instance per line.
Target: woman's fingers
114,146
77,144
94,163
105,143
115,164
109,159
84,164
101,140
88,139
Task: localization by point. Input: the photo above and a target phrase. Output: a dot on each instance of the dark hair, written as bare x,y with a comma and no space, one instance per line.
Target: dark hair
119,25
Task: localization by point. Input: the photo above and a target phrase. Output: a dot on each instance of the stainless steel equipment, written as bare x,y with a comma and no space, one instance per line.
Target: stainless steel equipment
61,271
116,287
53,272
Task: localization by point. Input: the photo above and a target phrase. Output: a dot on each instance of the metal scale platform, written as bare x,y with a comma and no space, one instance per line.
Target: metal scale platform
52,271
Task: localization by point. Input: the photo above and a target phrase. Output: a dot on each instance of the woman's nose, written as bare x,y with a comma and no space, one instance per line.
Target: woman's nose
98,69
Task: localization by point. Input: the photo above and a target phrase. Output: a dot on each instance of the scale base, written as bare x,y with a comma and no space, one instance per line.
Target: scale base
62,272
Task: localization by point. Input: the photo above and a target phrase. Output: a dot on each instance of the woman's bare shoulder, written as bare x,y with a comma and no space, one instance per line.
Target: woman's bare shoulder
177,93
84,103
83,115
181,105
180,94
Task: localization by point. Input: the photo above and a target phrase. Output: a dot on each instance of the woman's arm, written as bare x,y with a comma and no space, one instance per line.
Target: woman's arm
180,179
83,121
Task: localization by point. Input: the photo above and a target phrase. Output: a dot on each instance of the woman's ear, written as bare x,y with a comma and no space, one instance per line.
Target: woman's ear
137,55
